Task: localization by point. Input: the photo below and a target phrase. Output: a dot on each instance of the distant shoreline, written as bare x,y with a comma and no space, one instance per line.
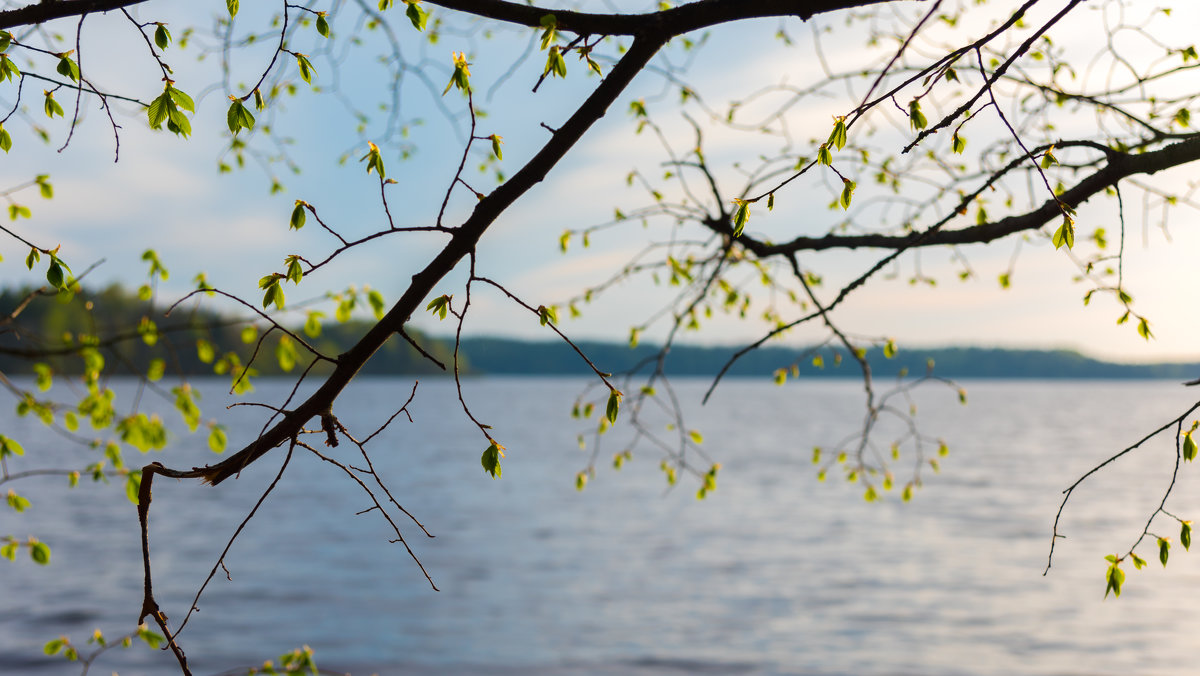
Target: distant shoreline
191,345
509,356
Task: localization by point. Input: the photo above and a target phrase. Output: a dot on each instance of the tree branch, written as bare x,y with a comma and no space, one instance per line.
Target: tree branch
678,20
1119,166
44,11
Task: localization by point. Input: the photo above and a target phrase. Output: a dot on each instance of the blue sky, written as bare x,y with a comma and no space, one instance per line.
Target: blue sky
166,194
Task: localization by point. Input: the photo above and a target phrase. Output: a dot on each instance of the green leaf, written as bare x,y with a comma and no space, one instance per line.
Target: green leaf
10,447
439,306
555,64
837,138
133,484
312,324
710,481
148,330
1144,328
696,437
156,369
378,306
345,308
915,117
285,353
461,76
217,439
416,15
1189,447
9,551
5,139
158,111
322,25
51,107
55,646
1065,235
1138,562
295,271
273,295
5,41
1164,550
205,351
496,146
1185,534
581,480
491,459
162,37
614,405
549,25
232,6
958,144
298,216
39,552
238,117
151,638
8,69
54,274
181,99
889,349
17,502
741,216
374,159
306,68
1115,577
847,193
68,68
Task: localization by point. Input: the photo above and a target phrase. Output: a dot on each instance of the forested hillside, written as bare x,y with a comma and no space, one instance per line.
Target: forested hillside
192,340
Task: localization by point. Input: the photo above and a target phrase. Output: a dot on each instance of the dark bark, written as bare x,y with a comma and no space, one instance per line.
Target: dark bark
1117,167
48,10
678,20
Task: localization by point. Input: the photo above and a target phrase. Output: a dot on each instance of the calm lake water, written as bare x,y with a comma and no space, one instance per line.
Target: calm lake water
775,573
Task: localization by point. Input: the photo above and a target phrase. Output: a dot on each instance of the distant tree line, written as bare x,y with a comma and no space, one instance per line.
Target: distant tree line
189,340
110,312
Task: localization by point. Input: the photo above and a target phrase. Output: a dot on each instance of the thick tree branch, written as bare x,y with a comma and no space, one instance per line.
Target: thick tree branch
47,10
1118,166
677,21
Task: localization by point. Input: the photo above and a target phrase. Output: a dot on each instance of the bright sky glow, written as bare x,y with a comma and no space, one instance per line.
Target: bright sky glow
165,193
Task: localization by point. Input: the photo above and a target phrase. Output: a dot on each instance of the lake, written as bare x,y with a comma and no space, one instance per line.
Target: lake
774,573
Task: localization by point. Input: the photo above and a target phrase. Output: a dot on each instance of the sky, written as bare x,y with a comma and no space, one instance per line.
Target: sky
165,193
